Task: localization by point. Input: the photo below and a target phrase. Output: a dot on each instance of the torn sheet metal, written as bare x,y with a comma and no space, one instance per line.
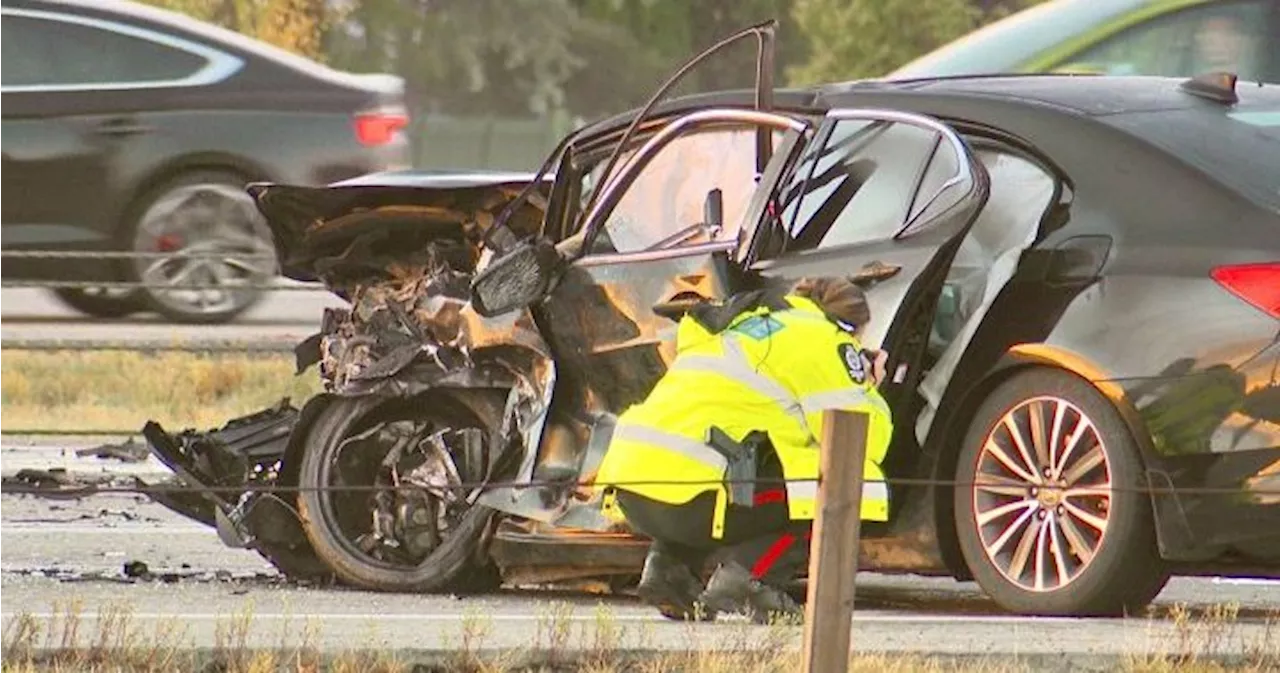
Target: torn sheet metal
402,254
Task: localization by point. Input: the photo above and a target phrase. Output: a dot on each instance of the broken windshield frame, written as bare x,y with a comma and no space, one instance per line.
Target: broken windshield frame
764,33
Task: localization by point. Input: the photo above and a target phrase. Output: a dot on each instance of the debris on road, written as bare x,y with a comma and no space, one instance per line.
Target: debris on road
128,451
136,569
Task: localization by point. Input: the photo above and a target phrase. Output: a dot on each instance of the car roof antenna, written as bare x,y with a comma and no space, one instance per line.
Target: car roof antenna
1215,86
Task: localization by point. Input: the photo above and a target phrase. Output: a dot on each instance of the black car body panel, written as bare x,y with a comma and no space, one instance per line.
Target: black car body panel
80,156
1093,253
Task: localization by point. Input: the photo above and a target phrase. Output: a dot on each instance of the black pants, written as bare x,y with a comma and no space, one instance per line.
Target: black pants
761,539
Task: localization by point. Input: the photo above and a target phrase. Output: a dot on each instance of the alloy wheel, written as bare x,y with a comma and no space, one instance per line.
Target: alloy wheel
1042,493
218,251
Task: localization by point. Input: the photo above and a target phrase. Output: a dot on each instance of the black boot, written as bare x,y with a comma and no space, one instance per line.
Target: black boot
733,589
669,585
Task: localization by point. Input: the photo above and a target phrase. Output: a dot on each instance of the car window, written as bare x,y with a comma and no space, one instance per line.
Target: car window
41,52
868,179
669,194
1230,36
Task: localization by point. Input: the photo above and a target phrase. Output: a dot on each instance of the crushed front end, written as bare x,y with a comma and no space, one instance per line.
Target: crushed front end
400,249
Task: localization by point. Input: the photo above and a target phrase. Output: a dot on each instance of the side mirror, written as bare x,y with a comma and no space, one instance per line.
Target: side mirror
516,280
713,212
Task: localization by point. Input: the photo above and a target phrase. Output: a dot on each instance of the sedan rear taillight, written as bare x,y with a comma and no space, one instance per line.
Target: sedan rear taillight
1258,284
379,127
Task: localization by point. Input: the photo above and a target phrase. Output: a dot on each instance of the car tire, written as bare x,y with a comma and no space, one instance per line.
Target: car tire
204,211
1086,549
456,564
98,303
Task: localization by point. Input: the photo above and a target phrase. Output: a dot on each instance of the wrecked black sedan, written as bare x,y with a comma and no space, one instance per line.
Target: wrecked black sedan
1077,278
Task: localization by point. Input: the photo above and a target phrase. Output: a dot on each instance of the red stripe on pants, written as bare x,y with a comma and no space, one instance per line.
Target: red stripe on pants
770,557
770,497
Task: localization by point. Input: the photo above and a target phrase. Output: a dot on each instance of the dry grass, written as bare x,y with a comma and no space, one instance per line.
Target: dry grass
561,644
119,390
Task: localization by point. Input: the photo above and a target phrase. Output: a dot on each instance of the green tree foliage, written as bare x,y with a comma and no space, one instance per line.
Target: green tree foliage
461,56
869,38
592,57
295,25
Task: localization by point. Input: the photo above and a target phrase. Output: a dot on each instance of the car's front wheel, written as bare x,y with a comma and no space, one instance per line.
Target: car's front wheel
387,495
1049,513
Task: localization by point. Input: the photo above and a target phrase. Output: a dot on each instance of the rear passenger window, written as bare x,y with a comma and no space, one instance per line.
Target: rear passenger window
863,185
46,52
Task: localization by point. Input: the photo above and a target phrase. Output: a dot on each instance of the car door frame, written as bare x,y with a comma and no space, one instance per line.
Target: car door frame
719,277
918,289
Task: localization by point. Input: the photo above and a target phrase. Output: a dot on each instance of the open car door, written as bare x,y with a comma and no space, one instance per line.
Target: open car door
661,237
883,197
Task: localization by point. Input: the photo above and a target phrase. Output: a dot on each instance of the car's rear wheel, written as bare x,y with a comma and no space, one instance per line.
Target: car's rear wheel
217,247
1049,513
101,302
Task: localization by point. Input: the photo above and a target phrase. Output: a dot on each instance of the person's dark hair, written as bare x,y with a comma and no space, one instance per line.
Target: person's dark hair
839,298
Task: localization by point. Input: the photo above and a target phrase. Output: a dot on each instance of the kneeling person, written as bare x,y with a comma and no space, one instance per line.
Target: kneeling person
741,406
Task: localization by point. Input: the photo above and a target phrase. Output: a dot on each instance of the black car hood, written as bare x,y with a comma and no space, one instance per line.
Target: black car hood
321,233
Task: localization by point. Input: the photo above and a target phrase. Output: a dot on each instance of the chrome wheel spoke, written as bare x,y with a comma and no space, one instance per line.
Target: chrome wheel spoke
1042,553
996,451
1075,540
1001,485
1055,435
1039,442
1022,553
1041,496
1092,520
1021,444
1055,542
1088,463
1092,491
1004,510
1082,426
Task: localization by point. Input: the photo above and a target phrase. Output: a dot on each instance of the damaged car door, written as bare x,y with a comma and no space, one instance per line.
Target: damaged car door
660,237
885,197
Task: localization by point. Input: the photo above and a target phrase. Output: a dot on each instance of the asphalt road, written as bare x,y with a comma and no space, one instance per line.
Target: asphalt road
286,316
57,551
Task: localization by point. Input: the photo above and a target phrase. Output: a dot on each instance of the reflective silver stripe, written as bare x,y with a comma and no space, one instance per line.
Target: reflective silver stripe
872,491
841,398
680,444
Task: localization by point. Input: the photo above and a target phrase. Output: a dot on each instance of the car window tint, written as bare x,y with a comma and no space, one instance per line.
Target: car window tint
1219,36
669,194
863,184
76,54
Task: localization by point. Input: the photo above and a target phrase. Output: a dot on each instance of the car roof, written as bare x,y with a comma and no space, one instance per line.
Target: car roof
202,30
1086,95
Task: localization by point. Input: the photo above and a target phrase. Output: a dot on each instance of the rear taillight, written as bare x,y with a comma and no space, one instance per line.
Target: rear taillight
379,127
1258,284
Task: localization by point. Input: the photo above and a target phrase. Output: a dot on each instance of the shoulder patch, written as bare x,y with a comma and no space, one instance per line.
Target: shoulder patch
851,357
759,327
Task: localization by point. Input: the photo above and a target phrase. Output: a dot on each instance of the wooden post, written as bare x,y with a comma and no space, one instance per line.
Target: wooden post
833,551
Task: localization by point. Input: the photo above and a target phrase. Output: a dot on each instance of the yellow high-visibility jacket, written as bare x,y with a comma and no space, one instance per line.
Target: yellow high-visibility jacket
774,371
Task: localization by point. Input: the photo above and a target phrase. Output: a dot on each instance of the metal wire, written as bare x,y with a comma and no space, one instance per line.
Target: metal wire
272,347
118,285
96,489
113,254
